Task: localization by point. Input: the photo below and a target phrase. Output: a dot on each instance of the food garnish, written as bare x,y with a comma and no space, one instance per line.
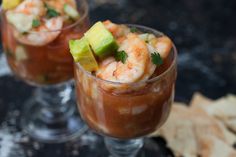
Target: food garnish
51,12
156,59
121,56
10,4
83,54
133,30
36,23
101,40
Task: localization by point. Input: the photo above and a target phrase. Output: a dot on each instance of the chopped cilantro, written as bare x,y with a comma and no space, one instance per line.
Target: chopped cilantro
36,23
121,56
51,12
133,30
156,59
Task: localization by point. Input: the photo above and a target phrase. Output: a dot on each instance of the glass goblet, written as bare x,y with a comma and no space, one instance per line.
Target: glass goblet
49,115
124,113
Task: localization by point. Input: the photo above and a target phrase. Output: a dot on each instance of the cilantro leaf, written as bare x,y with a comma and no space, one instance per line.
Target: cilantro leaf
51,12
156,59
133,30
36,23
121,56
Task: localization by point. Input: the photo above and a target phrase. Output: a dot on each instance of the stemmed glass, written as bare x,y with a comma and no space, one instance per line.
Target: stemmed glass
125,115
49,115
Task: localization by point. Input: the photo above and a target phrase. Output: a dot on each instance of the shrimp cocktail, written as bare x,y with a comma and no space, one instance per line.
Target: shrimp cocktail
35,35
125,79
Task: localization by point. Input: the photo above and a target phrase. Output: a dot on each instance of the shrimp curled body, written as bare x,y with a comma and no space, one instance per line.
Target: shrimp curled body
134,67
44,34
22,18
138,66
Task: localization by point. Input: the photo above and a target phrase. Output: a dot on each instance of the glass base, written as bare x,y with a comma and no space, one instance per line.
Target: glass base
123,148
94,145
48,128
50,115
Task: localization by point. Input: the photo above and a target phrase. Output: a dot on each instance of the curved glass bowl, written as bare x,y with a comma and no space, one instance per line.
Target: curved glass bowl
123,111
49,115
47,64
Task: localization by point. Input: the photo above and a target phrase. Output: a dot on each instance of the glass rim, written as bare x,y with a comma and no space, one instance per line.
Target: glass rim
173,64
84,15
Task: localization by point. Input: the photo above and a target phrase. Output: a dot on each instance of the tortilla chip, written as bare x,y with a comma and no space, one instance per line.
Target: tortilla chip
199,99
179,132
231,124
200,130
211,146
223,108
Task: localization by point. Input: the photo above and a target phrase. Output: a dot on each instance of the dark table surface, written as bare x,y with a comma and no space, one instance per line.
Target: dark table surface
204,32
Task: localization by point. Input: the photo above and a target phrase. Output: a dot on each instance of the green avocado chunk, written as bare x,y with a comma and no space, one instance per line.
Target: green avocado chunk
101,40
83,54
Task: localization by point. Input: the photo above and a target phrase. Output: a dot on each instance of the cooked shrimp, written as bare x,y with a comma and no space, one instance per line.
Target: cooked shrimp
150,68
138,65
134,67
42,35
163,45
118,31
22,18
31,7
107,68
23,15
58,5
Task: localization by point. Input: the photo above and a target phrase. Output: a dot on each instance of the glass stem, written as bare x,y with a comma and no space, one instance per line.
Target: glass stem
123,148
55,101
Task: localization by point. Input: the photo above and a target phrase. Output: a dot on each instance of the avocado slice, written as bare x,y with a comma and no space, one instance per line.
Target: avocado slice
6,4
83,54
101,40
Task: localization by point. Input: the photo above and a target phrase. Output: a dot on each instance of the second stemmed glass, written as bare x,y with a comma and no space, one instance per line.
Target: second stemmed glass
49,116
124,117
